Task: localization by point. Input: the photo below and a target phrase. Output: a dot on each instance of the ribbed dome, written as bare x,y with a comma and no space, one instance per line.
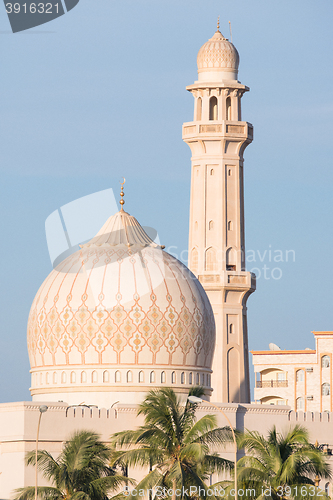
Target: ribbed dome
119,315
218,54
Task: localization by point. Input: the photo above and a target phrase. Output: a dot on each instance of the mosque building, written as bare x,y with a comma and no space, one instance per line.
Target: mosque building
121,316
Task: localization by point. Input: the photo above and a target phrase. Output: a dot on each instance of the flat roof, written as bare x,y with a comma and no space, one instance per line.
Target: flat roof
304,351
322,333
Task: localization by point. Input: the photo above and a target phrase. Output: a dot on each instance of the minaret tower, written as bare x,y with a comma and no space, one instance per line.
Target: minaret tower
217,138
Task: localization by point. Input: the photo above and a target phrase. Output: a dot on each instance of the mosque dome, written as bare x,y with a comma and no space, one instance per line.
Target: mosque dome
118,318
218,59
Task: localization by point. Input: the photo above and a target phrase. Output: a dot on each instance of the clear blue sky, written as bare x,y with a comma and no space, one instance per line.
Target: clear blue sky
100,93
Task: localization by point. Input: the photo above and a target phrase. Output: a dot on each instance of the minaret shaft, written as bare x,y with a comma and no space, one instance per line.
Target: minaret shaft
217,138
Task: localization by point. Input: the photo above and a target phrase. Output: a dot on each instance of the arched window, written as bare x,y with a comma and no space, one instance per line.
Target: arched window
83,377
325,362
63,378
141,376
73,378
55,377
199,109
173,377
182,378
41,379
198,378
163,378
47,378
202,379
228,109
229,172
129,376
190,378
231,328
117,376
300,404
194,260
213,108
94,376
300,376
211,171
106,376
207,380
210,260
152,377
325,389
211,225
229,225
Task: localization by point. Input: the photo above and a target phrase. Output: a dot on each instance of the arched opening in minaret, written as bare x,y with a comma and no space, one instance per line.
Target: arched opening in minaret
129,376
83,377
106,376
199,109
213,108
73,378
117,377
141,377
152,377
163,378
173,377
210,260
228,109
229,225
211,225
194,260
231,259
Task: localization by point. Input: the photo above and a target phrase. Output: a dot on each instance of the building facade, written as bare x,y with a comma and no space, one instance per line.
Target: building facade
299,379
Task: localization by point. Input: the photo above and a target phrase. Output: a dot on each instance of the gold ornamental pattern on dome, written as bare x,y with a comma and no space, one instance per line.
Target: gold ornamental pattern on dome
116,314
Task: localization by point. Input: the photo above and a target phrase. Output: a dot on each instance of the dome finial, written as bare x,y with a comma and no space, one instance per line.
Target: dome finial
218,23
122,194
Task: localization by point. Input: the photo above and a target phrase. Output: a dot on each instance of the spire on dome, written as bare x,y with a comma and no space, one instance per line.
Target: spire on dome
122,202
218,23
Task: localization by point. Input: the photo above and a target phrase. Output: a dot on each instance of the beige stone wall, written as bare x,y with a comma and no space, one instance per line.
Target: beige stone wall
18,425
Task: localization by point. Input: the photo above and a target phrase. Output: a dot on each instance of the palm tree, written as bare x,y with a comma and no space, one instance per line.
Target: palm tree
81,472
282,466
174,446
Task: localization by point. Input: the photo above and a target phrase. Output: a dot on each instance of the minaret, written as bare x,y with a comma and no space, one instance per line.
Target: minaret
217,138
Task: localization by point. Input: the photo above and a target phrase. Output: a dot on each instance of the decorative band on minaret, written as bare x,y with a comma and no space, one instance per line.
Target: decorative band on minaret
218,137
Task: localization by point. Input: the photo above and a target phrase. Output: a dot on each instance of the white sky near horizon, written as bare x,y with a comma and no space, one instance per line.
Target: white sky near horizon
99,94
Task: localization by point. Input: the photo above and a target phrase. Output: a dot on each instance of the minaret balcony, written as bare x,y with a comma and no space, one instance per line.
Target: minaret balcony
237,280
214,129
